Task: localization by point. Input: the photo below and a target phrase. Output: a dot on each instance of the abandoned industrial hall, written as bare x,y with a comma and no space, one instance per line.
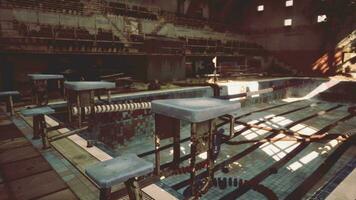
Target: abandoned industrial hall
177,99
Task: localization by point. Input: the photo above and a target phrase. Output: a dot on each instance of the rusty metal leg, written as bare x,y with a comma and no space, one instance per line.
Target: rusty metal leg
43,130
94,129
157,154
46,94
212,127
63,89
36,127
109,96
176,143
232,125
10,106
193,152
79,110
105,194
34,91
69,109
133,189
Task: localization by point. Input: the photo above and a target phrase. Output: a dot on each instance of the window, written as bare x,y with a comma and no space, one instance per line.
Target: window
288,22
289,3
260,8
321,18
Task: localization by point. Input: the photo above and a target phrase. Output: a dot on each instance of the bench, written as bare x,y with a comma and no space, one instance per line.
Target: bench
202,114
40,87
10,103
39,122
123,169
81,94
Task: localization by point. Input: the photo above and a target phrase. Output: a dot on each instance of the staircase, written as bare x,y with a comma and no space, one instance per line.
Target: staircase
117,31
162,22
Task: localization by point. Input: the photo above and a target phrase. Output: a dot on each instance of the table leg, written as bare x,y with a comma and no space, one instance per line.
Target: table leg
33,93
210,156
109,96
193,152
157,155
94,127
232,126
176,143
11,106
105,194
79,110
69,109
36,127
42,130
46,94
36,93
133,189
63,89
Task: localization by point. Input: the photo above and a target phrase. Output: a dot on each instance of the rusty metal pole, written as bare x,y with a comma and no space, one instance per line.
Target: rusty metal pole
193,152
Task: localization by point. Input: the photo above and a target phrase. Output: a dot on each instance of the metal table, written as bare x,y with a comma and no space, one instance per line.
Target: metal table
40,86
201,113
81,94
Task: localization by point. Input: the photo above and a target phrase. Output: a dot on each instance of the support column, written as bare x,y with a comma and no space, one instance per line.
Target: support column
79,110
133,189
36,127
10,105
105,194
43,131
193,152
157,155
210,157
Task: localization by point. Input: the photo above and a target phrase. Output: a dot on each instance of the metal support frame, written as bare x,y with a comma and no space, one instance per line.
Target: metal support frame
77,99
201,141
40,130
10,105
167,127
40,91
132,187
93,126
105,194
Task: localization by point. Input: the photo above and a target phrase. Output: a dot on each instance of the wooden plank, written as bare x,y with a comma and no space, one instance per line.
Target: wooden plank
24,168
64,194
17,154
37,185
4,121
15,143
9,131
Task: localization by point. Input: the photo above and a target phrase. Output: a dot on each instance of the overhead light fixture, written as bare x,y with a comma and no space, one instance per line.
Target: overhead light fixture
322,18
288,22
289,3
